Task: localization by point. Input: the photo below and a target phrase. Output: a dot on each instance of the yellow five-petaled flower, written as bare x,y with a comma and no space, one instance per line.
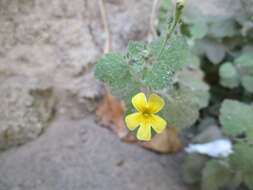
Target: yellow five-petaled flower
145,118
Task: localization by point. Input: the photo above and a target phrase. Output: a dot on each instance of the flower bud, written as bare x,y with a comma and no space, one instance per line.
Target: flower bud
180,4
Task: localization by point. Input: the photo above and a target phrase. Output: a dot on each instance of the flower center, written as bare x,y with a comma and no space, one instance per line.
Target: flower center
146,114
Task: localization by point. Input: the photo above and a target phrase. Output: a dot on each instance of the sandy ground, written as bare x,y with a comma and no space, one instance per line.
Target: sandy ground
80,155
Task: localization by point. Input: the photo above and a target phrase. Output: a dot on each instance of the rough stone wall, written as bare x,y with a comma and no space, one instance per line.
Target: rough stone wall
57,43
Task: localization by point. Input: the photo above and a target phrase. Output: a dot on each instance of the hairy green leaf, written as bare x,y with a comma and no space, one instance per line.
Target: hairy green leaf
235,181
223,27
247,82
215,175
182,110
198,31
112,69
192,79
241,159
236,118
244,64
136,50
214,50
248,180
193,166
169,61
228,75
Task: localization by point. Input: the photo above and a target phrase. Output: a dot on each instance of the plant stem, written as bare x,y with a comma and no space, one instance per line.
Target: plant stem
172,27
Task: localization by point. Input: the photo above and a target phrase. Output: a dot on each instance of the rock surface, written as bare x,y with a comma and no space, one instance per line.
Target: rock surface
57,42
26,107
76,155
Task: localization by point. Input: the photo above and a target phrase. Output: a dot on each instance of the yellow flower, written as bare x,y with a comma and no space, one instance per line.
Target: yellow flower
145,117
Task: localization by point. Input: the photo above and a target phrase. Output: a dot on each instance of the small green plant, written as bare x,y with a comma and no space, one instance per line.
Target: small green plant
236,119
238,72
225,45
165,67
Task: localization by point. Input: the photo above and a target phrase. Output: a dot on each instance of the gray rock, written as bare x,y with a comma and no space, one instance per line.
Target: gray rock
59,43
80,155
63,40
26,107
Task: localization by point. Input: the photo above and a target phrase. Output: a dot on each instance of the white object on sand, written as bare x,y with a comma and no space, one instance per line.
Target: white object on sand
217,148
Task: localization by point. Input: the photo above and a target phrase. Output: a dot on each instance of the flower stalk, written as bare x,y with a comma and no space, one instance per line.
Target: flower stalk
172,27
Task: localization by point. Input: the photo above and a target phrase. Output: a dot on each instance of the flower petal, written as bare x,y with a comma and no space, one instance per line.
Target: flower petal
157,123
140,102
155,103
133,120
144,132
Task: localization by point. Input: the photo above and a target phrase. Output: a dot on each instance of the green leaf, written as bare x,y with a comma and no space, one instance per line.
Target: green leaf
182,111
244,63
169,62
223,27
247,82
235,181
193,166
228,75
241,159
214,50
112,69
215,175
136,50
236,118
192,14
193,80
198,31
126,89
248,180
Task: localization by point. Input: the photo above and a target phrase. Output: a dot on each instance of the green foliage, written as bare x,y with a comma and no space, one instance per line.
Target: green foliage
136,54
236,180
112,69
198,31
226,41
241,71
136,50
192,80
181,105
244,63
222,27
192,168
241,159
215,175
190,95
149,67
168,62
215,51
248,180
236,118
247,83
228,75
